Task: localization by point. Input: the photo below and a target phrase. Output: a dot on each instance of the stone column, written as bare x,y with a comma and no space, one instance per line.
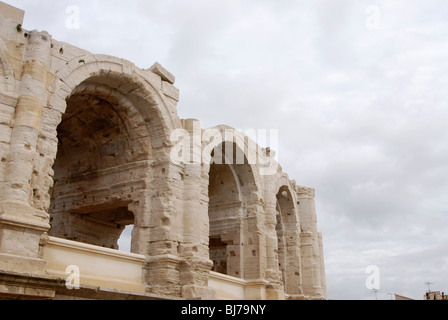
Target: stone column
323,277
310,245
196,263
255,249
161,237
276,290
21,226
293,270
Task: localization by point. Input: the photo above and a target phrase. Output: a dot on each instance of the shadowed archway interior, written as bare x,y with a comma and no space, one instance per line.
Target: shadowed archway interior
99,171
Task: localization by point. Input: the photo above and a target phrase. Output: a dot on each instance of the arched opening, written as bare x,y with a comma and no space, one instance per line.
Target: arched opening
229,193
288,240
225,209
100,167
125,240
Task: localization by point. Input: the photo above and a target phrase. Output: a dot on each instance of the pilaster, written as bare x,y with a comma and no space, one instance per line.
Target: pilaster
273,273
196,264
20,223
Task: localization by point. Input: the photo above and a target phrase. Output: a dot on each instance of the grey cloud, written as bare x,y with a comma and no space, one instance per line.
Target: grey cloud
362,113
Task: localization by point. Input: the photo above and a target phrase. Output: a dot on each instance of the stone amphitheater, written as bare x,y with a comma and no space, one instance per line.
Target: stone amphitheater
91,144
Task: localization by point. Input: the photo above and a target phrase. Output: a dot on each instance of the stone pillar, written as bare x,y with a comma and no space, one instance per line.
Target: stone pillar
323,276
21,226
293,270
276,290
255,250
196,263
310,245
162,235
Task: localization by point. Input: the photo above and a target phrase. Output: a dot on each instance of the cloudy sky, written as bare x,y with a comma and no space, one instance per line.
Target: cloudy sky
357,89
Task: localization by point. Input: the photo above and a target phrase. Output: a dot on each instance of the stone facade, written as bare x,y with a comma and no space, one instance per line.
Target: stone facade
86,145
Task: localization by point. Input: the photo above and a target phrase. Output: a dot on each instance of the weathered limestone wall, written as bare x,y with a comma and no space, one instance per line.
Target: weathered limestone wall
25,64
85,149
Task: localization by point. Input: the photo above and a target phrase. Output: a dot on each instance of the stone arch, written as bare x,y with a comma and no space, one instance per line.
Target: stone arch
245,151
234,208
142,87
288,236
105,122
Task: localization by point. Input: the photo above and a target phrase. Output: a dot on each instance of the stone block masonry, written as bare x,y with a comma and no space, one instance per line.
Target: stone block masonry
86,145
